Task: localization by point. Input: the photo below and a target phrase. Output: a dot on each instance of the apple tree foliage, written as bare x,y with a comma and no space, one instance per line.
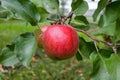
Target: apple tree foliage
100,43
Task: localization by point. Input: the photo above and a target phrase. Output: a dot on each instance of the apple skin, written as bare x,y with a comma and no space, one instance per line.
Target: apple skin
39,37
60,41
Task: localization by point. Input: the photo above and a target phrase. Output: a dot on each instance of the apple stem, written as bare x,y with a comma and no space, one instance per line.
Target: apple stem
96,40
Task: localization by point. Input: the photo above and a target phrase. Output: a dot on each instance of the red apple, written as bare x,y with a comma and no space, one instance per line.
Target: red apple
60,41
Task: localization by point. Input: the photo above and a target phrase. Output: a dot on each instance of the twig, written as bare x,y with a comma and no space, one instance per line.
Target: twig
96,40
62,19
70,18
69,15
51,19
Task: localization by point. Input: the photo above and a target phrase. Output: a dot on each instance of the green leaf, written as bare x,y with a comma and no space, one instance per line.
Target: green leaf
79,56
79,7
53,16
80,22
96,63
38,3
42,10
101,6
109,30
107,68
46,7
117,30
111,14
22,49
25,48
8,57
86,48
24,8
43,13
118,50
105,52
5,14
82,18
51,6
85,37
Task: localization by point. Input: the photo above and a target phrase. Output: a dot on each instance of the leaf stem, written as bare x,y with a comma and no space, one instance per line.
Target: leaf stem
80,53
96,46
